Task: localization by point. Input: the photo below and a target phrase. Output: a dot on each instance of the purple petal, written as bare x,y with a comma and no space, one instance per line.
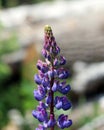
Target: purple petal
55,86
58,102
48,99
44,53
62,60
64,90
51,121
40,127
45,82
63,121
56,62
58,105
68,123
62,73
37,79
34,113
51,74
65,103
40,93
66,106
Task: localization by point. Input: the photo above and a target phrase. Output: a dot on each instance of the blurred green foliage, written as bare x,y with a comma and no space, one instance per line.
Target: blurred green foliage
36,1
8,41
5,71
12,3
9,98
8,45
26,89
13,95
8,94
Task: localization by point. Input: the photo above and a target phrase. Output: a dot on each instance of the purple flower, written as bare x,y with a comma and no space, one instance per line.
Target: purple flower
48,79
44,53
63,88
53,43
62,102
40,113
37,79
45,82
51,74
42,66
47,45
59,61
48,57
55,86
63,121
65,103
48,99
55,50
40,93
62,73
40,127
62,60
41,105
58,102
56,62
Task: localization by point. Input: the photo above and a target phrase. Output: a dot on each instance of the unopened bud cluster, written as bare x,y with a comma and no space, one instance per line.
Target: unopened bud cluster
51,79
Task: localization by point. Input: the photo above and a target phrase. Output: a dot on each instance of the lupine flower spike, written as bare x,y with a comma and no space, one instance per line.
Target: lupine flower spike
49,81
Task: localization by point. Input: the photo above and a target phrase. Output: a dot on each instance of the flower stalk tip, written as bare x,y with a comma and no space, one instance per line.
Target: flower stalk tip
47,28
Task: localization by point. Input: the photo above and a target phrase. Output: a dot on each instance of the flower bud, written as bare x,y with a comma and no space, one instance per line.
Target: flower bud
42,66
56,62
62,60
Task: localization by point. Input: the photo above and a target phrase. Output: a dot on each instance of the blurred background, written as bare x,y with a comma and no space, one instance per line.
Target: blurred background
78,26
